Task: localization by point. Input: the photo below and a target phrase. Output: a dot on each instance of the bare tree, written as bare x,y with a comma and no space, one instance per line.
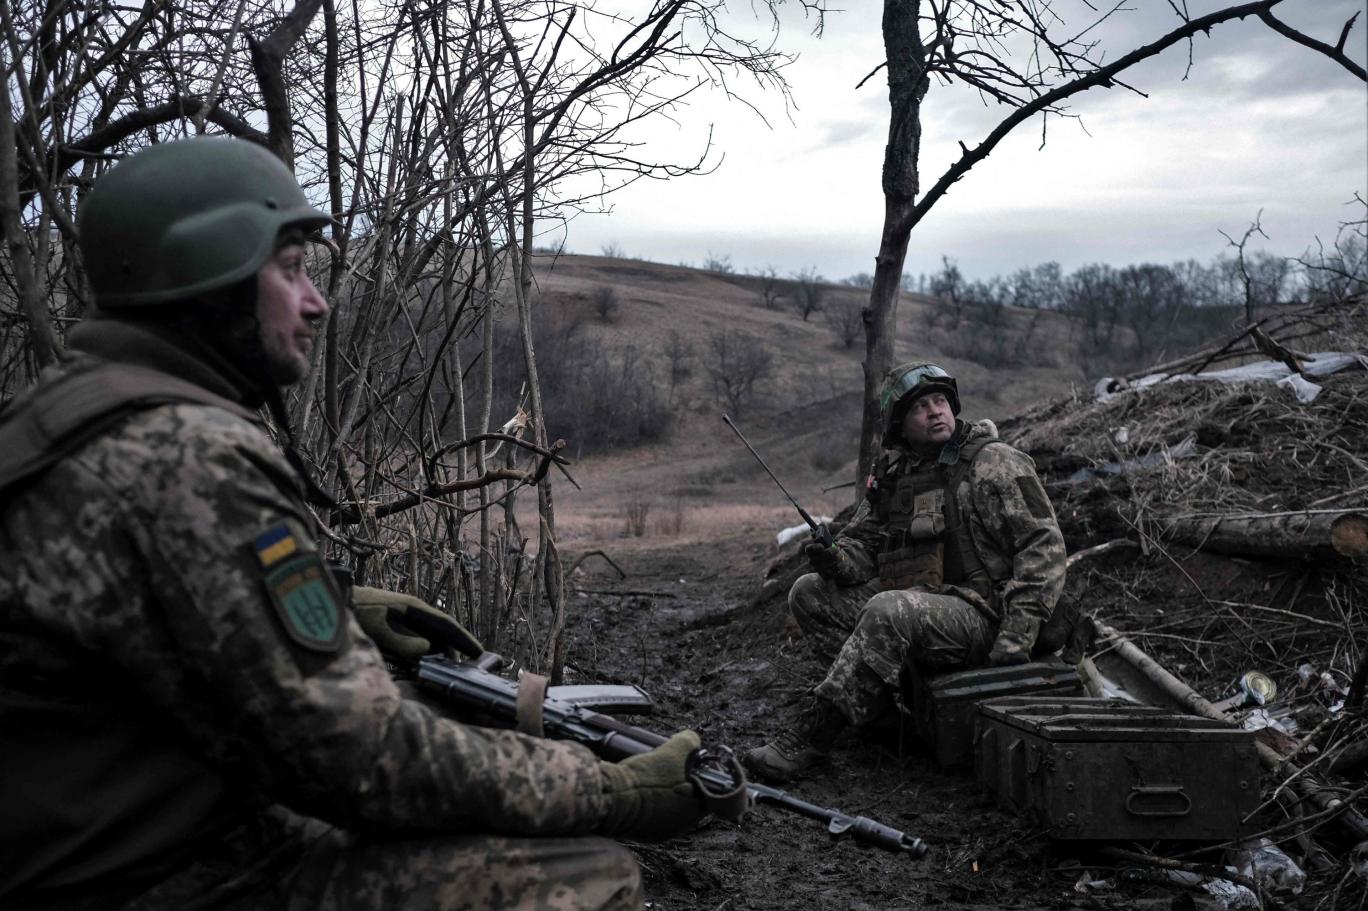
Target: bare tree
809,291
948,288
738,363
1017,53
438,135
679,360
769,288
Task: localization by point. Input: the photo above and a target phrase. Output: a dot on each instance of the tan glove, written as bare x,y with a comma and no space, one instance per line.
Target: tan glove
650,797
407,628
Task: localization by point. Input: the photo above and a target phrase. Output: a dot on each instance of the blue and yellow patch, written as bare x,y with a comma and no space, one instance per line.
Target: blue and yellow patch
275,544
300,588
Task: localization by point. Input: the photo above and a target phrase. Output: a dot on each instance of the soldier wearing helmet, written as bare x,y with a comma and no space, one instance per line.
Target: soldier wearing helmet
190,716
953,559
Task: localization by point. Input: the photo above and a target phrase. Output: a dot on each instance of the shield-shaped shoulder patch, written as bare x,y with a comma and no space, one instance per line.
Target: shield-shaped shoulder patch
302,591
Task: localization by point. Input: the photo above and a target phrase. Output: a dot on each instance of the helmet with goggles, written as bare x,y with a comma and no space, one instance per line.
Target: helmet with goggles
904,385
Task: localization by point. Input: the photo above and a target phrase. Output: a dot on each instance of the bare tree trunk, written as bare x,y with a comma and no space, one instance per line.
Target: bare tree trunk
907,85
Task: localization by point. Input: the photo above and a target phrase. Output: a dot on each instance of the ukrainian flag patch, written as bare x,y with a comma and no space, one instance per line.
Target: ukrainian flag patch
275,544
300,587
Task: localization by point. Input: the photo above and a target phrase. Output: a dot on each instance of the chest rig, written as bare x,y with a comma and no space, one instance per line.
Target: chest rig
926,539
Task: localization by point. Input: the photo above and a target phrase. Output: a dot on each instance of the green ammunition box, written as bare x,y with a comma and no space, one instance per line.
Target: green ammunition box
944,706
1112,770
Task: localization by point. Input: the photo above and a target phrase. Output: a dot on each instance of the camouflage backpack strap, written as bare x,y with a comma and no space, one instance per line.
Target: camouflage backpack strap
54,419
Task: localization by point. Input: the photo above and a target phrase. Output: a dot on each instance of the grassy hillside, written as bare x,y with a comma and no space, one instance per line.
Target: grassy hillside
804,418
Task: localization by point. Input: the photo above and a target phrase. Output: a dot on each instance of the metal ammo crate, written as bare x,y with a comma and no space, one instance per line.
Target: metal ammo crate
944,706
1109,769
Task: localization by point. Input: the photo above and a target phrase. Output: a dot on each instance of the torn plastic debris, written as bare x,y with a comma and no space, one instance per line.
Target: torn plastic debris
1322,363
1266,864
1264,718
1324,680
1111,469
1224,894
1305,390
1086,883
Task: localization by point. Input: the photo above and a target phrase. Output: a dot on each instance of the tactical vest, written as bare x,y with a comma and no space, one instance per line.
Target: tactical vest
44,426
926,536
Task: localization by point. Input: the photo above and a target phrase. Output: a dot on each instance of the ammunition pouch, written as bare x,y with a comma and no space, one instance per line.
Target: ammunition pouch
915,555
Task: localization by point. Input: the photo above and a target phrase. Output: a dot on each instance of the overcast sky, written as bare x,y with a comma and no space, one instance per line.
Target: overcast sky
1259,124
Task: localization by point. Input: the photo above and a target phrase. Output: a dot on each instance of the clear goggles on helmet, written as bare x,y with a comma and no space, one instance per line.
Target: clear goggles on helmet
910,379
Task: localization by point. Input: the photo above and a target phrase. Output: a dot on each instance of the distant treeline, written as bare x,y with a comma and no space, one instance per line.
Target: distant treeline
1123,318
1098,319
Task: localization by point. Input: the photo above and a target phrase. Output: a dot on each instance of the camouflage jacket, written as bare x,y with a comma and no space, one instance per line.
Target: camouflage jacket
1011,524
153,693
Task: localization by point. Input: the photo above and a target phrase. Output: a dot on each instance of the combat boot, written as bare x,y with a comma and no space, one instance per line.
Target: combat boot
799,747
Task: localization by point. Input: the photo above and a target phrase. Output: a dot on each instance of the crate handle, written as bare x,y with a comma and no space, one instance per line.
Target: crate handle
1159,794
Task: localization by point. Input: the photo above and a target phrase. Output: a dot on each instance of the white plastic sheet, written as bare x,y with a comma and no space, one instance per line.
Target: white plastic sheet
1320,364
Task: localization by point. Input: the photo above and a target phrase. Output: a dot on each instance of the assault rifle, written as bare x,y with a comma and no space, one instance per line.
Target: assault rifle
471,687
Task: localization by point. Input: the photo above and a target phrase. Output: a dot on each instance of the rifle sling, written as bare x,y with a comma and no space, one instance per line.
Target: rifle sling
531,696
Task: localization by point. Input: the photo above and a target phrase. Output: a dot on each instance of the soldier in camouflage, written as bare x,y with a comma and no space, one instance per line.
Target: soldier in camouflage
953,559
190,716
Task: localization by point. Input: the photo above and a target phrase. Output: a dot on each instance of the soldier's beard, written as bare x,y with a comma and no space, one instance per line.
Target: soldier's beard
223,326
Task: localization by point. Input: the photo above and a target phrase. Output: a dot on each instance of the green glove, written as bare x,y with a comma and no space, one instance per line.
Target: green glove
824,559
407,628
650,799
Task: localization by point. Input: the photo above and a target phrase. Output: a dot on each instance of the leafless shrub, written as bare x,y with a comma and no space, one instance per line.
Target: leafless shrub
606,303
613,250
634,518
859,280
597,395
843,315
738,363
718,263
671,522
808,291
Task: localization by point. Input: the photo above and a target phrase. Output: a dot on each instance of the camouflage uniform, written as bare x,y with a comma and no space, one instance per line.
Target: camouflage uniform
174,739
875,633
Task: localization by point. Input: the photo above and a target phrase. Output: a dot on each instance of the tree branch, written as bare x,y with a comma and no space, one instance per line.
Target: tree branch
268,62
1100,76
1335,53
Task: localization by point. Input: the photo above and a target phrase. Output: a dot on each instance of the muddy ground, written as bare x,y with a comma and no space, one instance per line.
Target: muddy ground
734,670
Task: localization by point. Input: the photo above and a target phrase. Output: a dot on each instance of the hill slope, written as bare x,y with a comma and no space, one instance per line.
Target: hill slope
804,418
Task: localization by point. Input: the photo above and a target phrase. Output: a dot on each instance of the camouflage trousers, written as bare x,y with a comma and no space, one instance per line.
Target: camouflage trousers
316,867
888,631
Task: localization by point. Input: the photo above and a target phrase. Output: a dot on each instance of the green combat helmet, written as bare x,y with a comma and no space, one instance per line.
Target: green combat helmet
902,386
179,219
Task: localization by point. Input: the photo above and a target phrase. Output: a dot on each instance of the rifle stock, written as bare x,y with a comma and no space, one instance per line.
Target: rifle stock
470,686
